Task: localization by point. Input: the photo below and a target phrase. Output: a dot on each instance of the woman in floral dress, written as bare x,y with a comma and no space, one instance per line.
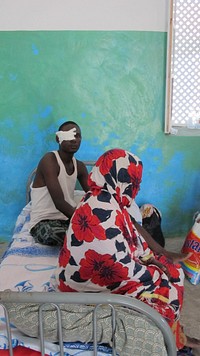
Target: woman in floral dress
104,252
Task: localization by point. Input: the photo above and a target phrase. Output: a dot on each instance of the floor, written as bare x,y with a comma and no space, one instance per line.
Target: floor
190,318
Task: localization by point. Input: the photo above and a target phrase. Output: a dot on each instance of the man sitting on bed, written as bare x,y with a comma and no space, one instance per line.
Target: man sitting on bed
52,191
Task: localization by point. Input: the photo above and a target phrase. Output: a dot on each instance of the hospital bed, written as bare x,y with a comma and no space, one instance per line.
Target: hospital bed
35,318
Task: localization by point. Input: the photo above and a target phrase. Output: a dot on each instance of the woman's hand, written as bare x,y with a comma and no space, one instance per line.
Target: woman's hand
173,257
176,257
153,261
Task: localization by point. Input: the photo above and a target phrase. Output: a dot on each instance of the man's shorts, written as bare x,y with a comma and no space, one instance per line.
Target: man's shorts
50,232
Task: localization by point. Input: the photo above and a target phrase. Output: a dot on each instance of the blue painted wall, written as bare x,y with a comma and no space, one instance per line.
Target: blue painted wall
112,83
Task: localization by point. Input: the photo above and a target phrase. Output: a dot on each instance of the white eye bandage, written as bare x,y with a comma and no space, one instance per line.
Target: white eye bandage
66,135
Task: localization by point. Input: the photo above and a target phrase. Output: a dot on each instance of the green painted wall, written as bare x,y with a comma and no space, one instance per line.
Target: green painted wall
112,83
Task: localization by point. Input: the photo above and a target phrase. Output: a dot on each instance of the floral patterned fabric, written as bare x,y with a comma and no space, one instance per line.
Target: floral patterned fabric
103,251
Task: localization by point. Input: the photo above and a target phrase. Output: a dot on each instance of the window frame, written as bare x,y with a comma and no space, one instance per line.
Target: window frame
169,128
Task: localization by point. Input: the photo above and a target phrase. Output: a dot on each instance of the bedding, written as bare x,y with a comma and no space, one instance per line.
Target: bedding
28,267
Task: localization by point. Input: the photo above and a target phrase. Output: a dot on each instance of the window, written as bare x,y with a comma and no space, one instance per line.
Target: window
183,67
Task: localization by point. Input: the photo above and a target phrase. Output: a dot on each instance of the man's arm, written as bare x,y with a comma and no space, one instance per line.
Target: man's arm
47,174
82,175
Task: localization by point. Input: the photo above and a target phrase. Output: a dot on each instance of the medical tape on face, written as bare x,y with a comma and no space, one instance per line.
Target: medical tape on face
66,135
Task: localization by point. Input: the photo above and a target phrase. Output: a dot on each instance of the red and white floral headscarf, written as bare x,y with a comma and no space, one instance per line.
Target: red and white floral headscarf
114,182
119,172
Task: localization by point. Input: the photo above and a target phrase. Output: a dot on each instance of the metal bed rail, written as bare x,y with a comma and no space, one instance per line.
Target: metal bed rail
96,299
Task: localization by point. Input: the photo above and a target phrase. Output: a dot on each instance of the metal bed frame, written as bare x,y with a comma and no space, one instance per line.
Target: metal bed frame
97,300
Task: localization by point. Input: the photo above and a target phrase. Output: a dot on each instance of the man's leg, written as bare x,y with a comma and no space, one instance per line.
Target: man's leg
50,232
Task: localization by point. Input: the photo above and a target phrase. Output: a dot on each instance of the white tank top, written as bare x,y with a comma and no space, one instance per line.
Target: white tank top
43,207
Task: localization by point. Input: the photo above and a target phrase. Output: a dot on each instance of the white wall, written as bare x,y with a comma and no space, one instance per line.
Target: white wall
145,15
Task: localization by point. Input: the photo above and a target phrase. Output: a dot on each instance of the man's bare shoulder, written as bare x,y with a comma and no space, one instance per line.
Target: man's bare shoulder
47,168
80,163
82,175
48,163
49,157
81,167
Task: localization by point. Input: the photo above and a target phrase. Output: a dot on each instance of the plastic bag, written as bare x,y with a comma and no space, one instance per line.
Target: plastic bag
151,221
191,266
